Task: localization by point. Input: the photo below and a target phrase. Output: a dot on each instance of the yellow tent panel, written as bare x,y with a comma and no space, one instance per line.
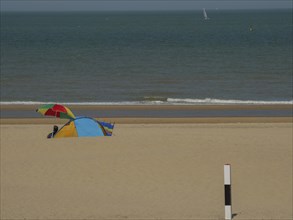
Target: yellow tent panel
67,131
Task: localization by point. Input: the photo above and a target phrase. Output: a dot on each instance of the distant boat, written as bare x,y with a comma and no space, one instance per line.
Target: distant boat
205,14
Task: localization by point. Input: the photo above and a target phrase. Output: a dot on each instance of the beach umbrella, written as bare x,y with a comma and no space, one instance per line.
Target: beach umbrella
56,110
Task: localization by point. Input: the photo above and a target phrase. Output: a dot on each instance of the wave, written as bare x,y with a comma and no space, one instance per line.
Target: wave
161,101
155,98
225,101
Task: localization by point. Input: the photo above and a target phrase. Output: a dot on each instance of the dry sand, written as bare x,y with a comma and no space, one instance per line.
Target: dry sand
147,171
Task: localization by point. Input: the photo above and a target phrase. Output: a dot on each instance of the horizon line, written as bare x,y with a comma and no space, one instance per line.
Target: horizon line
143,10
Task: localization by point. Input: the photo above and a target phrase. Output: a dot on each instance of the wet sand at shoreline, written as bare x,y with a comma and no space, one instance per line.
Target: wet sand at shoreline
165,112
106,107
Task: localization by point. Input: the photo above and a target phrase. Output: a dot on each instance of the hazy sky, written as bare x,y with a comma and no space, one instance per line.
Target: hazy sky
76,5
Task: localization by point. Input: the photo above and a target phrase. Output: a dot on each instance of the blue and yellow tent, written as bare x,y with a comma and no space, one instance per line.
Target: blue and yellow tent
85,127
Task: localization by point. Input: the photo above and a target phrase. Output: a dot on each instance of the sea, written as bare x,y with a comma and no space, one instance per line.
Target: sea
147,57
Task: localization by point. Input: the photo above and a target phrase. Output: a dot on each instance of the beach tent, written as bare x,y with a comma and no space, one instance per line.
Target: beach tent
84,127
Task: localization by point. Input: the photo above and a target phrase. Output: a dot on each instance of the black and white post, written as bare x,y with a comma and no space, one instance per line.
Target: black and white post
227,185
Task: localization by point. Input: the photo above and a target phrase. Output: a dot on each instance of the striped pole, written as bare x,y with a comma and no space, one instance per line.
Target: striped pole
227,185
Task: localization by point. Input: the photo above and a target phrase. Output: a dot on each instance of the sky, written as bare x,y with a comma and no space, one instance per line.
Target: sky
130,5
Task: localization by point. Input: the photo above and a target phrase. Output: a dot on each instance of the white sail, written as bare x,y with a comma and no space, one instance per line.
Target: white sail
205,14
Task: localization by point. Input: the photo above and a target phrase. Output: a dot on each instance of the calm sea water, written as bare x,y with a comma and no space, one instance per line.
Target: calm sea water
147,57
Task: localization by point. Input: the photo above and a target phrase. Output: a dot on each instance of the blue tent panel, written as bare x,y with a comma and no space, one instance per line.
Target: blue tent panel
87,127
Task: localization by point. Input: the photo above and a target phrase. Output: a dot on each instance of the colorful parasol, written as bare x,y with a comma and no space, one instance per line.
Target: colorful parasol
56,110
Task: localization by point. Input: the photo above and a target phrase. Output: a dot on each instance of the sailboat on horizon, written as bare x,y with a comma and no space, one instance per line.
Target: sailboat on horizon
205,14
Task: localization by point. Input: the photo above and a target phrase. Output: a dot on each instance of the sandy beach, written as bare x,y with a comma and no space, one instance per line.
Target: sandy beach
154,170
190,86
